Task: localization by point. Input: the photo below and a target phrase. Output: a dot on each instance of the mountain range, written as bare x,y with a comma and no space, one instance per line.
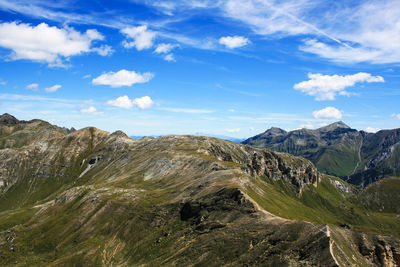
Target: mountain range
358,157
93,198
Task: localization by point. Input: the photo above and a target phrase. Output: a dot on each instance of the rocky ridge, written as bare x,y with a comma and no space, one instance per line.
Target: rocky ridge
356,156
97,198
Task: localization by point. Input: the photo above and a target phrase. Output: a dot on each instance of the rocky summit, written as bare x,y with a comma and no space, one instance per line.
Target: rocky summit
94,198
358,157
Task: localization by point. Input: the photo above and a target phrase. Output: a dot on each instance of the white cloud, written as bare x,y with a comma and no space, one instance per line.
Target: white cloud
104,50
372,130
326,87
164,48
186,110
141,37
52,89
371,30
122,78
89,110
87,76
121,102
351,31
169,57
327,113
43,43
234,130
90,101
234,41
144,102
32,86
396,116
2,82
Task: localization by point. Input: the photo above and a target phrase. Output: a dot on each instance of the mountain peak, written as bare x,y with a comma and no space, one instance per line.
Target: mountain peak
334,126
8,119
275,131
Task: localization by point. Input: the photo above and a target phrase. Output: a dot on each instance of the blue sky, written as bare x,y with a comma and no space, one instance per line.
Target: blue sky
226,67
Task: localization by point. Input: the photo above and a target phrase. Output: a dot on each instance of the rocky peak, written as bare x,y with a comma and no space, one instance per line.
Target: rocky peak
275,131
334,126
7,119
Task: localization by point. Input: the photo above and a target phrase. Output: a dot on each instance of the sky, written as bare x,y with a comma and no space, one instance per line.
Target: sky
222,67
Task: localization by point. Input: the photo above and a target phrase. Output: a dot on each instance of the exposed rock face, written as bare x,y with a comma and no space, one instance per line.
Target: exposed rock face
379,250
356,156
276,166
95,198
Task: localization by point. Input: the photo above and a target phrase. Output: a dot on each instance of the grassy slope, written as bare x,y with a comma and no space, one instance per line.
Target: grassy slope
322,204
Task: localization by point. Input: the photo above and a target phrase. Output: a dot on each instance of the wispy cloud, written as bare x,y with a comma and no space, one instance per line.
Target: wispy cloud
186,110
17,97
233,130
348,32
33,87
53,88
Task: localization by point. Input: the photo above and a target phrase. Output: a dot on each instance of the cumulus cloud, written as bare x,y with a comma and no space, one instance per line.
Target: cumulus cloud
139,37
164,48
234,130
122,78
44,43
326,87
104,50
144,102
32,86
53,89
89,110
234,41
372,130
327,113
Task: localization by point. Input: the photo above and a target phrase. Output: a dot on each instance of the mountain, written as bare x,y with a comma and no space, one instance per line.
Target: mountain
233,139
94,198
356,156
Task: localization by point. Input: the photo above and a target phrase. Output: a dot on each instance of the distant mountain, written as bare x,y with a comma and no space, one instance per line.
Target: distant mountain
94,198
229,138
356,156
